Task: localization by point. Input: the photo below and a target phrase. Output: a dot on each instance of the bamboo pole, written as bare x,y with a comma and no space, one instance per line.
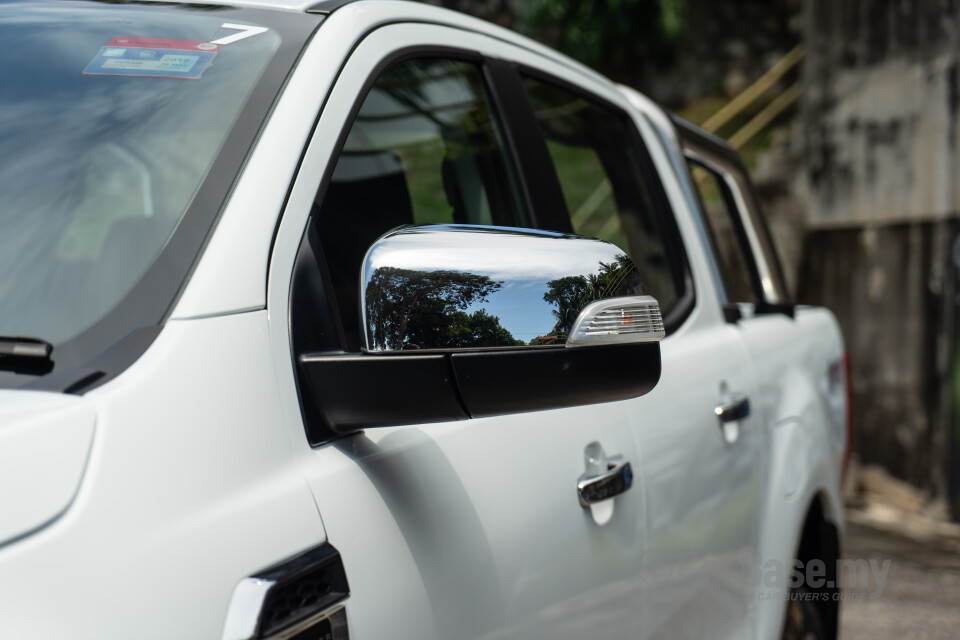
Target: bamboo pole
754,91
766,116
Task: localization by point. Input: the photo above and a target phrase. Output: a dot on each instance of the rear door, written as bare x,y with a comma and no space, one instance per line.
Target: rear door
455,530
756,299
700,471
781,351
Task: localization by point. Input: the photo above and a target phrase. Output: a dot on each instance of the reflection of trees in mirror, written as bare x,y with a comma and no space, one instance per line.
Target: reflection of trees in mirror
572,293
409,309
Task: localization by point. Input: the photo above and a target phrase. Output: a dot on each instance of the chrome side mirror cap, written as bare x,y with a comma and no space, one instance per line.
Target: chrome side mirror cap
455,288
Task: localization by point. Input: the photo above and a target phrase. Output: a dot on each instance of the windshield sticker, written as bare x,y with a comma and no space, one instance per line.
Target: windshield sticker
153,57
245,30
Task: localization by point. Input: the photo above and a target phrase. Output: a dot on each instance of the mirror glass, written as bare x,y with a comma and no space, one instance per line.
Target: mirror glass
448,287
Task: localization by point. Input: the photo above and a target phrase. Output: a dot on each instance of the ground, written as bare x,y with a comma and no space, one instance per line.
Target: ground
920,599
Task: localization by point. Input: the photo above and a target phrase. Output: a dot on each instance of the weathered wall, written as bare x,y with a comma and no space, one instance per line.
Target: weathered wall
881,110
877,281
880,139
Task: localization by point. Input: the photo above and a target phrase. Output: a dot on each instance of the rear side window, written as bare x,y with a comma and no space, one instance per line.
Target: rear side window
424,148
720,215
607,192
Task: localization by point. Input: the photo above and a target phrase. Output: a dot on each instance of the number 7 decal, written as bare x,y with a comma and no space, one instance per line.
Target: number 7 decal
246,31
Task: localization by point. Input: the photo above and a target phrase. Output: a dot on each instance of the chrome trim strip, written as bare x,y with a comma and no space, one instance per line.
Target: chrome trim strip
246,605
617,479
252,595
338,621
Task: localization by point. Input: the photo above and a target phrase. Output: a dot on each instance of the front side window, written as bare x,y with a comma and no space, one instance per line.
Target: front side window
607,193
425,148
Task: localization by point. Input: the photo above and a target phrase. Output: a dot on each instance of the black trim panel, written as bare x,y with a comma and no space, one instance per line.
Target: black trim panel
531,157
496,383
352,391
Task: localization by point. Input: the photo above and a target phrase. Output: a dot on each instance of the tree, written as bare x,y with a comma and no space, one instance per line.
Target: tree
479,329
617,36
572,293
409,309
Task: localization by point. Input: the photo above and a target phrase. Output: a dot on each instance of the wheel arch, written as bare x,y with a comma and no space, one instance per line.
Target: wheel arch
820,540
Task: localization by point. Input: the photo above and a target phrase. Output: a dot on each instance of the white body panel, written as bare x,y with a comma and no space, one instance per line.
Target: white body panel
44,444
190,470
188,489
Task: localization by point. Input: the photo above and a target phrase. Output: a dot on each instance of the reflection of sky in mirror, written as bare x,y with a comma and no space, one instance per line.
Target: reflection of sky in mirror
521,308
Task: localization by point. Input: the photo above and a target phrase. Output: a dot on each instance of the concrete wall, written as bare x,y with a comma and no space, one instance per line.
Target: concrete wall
880,139
882,99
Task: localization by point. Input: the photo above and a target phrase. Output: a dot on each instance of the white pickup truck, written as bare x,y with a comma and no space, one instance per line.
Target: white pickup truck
372,320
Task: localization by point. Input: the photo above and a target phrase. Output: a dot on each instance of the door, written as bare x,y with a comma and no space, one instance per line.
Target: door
759,308
697,437
465,529
757,301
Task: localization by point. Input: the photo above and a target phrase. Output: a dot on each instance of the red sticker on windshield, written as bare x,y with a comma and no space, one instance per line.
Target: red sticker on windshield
162,43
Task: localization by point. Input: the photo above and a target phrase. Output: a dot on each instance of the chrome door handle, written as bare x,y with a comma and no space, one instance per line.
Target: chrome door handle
737,409
615,480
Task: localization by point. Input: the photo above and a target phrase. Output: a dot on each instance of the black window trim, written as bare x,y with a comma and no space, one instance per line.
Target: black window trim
685,304
528,148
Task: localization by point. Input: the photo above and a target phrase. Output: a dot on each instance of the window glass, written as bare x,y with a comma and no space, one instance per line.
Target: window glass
607,193
101,161
719,214
423,149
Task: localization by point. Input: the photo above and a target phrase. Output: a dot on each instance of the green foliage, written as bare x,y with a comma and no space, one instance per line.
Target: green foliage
616,35
571,294
427,309
479,329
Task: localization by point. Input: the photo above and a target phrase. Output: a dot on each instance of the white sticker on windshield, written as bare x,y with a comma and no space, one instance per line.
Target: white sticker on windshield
246,31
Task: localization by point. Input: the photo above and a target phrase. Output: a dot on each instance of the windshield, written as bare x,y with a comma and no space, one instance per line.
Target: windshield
112,118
